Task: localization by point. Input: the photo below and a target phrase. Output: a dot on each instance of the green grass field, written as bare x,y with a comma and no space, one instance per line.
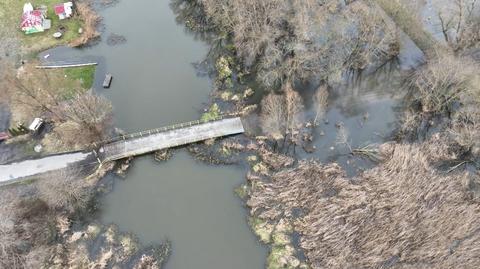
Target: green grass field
83,74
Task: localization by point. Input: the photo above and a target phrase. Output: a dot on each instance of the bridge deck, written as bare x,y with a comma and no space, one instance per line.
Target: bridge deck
119,148
171,138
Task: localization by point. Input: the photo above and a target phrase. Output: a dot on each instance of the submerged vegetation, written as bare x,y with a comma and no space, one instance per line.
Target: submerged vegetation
417,206
286,41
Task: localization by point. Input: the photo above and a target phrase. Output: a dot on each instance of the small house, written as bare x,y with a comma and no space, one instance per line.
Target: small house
64,10
36,124
33,21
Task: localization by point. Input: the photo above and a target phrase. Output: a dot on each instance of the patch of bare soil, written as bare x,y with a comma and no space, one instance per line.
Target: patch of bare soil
402,214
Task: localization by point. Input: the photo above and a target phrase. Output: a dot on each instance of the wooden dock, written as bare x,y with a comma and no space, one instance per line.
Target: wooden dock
64,65
107,81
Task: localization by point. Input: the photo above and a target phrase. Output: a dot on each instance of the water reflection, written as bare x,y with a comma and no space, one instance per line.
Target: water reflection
191,204
366,107
156,84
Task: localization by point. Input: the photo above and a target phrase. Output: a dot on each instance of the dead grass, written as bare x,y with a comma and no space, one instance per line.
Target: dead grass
401,214
448,85
444,80
90,19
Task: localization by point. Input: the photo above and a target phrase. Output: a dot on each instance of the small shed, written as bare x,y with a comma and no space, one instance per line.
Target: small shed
27,7
36,124
64,10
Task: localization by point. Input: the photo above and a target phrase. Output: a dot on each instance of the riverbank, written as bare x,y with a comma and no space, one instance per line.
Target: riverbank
312,214
45,221
70,244
390,176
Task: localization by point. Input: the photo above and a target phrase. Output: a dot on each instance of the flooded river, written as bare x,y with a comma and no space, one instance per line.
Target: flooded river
191,203
155,84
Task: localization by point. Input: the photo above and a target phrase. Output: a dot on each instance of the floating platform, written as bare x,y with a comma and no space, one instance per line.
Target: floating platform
107,81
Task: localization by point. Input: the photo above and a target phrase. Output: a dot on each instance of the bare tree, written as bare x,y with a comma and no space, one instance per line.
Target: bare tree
459,22
295,40
321,101
91,19
34,92
64,190
294,114
273,116
293,110
91,112
354,223
442,81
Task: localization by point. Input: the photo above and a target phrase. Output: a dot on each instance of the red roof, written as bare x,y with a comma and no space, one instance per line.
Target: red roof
59,9
32,18
3,136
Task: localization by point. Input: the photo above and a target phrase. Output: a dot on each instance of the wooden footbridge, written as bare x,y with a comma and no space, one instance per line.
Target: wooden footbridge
167,137
125,146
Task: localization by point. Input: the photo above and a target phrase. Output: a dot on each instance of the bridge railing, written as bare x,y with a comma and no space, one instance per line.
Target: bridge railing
155,131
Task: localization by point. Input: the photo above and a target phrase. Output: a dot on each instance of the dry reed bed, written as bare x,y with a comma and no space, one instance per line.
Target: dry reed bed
402,214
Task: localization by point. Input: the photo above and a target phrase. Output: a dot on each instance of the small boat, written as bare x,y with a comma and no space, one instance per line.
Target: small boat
107,81
4,136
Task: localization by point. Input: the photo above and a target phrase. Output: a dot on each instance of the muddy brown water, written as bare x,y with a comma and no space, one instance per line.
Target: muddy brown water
190,203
